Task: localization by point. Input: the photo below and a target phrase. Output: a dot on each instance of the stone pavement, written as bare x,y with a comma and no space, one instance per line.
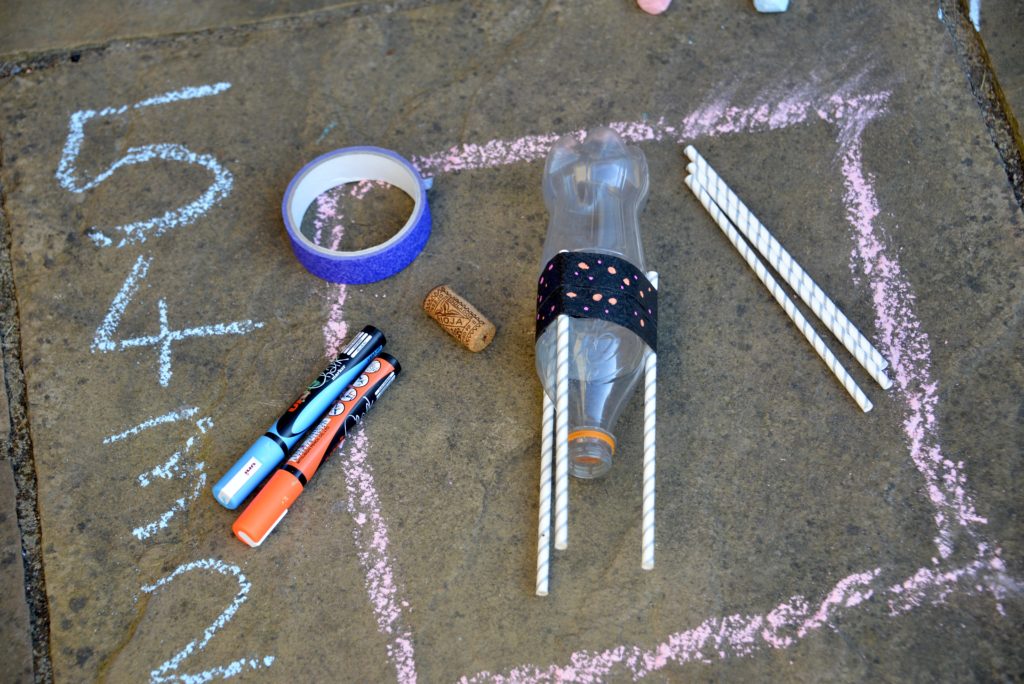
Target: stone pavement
1003,30
14,617
96,22
798,538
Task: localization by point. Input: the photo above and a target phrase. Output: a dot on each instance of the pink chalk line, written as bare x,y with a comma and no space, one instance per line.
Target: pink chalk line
371,536
714,639
716,118
328,214
900,337
363,504
909,350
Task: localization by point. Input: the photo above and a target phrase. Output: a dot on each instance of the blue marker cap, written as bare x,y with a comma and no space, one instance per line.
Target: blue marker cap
251,469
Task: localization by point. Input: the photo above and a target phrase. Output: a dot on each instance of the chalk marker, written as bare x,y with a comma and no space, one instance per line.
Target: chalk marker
269,450
269,507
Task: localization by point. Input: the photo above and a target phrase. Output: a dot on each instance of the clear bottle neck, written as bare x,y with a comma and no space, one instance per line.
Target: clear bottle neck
612,228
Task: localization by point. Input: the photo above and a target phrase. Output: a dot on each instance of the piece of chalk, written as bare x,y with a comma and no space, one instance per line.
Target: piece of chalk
459,318
771,5
653,6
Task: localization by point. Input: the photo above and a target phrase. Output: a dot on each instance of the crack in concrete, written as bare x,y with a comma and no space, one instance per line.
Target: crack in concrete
983,351
1002,125
21,456
103,674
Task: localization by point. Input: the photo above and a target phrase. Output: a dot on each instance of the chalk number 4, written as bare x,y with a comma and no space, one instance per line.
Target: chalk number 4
104,340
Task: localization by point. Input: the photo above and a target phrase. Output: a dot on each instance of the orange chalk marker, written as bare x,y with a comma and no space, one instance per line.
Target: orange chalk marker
272,502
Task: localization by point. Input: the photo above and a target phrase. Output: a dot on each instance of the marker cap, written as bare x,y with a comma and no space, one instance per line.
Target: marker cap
265,511
252,468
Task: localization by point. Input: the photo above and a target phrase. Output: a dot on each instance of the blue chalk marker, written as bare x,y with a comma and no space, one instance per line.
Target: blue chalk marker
270,449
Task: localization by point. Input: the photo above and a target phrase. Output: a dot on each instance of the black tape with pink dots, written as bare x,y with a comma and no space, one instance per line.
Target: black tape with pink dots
603,286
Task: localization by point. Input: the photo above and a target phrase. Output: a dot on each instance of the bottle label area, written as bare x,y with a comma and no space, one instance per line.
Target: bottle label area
602,286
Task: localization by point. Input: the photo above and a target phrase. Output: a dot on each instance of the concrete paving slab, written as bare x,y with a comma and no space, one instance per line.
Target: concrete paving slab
798,538
15,632
29,27
1002,30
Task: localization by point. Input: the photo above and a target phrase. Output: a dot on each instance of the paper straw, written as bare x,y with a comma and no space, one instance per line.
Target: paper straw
770,248
562,433
780,295
650,411
547,416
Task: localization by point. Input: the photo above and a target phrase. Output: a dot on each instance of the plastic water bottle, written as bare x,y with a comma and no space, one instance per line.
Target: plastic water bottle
593,191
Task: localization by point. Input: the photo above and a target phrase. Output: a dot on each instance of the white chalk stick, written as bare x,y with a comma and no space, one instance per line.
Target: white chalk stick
771,5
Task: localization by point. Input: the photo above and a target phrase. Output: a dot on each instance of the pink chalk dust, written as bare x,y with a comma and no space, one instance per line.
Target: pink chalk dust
370,531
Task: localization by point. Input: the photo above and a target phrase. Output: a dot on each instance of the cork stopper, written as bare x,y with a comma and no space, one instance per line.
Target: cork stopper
459,318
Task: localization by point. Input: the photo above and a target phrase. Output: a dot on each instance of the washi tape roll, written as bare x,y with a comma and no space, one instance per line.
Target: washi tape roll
349,165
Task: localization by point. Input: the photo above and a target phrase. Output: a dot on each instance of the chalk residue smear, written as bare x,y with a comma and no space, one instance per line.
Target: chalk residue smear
714,639
168,671
328,215
104,339
370,530
137,232
715,118
169,417
173,467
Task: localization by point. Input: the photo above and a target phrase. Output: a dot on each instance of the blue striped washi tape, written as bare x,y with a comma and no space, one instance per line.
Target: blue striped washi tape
348,165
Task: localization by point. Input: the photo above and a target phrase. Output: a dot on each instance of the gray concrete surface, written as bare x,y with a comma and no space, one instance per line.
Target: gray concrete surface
15,635
777,497
1002,31
29,27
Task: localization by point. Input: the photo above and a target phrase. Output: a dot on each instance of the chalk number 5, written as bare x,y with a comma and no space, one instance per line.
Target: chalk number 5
138,231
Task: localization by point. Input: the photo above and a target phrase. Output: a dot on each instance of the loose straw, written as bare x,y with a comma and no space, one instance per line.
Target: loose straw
544,516
780,295
770,248
562,434
650,411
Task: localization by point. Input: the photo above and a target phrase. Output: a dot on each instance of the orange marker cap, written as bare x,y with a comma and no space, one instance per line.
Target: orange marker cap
265,511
